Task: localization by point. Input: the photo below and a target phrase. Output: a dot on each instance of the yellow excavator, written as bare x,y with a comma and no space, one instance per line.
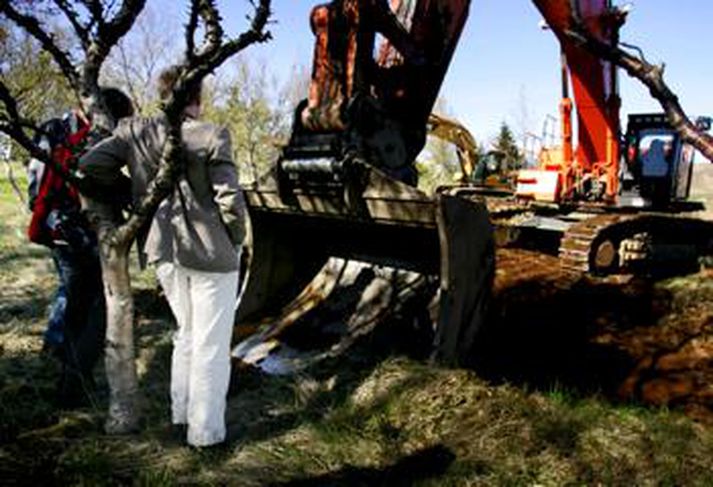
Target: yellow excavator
454,132
476,167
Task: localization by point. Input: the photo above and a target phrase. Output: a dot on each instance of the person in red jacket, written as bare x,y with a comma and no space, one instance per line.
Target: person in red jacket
77,318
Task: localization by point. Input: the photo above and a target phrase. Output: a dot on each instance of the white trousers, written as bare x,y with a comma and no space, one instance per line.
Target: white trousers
203,304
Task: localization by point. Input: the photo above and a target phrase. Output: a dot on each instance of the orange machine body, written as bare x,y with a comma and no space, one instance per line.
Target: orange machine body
596,98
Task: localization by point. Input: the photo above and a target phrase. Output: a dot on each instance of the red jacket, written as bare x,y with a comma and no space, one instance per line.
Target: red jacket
56,199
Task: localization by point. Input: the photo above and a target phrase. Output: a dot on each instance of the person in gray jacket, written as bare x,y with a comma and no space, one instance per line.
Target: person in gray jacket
194,241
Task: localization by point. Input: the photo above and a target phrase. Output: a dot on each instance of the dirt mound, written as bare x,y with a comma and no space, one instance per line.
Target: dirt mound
631,339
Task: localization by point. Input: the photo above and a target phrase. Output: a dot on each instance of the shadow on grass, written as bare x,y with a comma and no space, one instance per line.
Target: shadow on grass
424,464
20,258
538,335
541,334
27,392
262,406
155,326
29,309
40,444
27,379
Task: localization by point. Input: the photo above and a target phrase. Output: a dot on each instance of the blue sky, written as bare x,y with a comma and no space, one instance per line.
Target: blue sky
506,65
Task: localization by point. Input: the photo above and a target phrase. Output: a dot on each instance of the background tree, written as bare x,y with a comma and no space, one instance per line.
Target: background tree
30,75
522,115
243,95
250,104
140,56
98,26
437,164
506,151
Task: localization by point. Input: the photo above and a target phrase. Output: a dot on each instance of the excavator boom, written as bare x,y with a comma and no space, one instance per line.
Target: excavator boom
344,185
594,84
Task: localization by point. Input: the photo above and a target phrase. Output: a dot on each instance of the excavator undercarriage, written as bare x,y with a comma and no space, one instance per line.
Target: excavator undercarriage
601,241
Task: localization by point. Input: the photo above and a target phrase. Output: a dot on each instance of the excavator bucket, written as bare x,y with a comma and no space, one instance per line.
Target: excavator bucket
338,189
393,225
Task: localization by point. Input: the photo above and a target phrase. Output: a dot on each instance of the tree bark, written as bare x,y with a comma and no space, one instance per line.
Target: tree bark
119,351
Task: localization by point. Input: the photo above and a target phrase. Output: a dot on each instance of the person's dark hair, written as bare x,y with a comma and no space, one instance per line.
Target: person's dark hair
117,103
167,80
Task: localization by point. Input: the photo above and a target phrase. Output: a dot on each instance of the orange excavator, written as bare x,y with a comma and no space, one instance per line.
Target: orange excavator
344,186
613,202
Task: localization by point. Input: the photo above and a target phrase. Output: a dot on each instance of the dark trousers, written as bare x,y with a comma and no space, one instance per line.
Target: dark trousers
83,320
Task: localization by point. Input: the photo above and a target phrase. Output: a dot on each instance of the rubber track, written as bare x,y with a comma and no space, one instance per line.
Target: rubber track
576,245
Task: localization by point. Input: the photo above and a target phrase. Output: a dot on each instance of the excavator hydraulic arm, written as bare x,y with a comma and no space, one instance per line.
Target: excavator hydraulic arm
339,188
594,83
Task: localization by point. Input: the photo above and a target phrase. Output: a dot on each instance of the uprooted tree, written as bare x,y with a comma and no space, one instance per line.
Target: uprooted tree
97,26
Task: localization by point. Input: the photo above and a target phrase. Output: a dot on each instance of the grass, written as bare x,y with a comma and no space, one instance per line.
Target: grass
365,418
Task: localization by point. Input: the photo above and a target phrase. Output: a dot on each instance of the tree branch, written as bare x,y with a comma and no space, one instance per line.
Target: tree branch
126,68
33,27
652,77
255,34
108,34
95,10
213,30
16,132
13,125
72,16
192,71
158,189
191,27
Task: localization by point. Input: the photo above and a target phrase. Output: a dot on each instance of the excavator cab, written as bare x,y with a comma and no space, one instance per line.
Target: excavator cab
344,186
659,166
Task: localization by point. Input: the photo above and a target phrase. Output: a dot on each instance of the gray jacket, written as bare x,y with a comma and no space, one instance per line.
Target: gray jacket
200,224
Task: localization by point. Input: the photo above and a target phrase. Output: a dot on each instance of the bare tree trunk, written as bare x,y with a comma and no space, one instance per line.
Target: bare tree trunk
120,355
